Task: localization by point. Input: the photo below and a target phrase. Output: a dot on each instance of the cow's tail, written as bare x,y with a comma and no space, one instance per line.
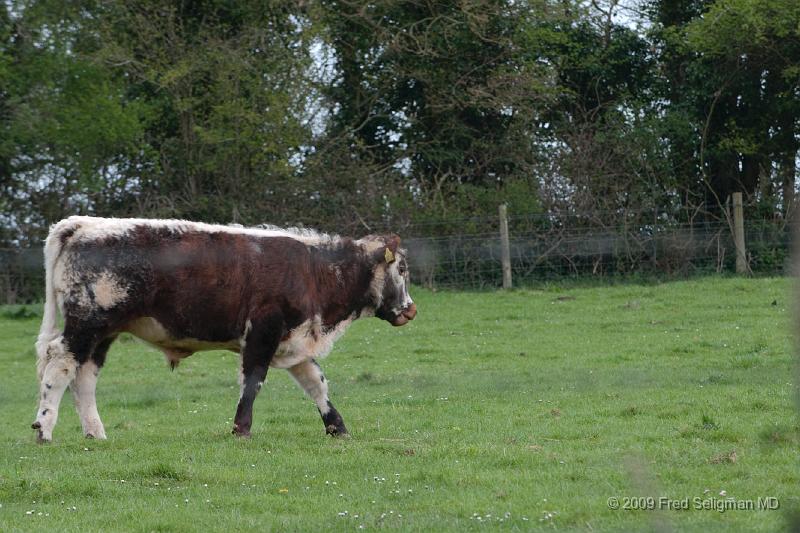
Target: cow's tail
48,330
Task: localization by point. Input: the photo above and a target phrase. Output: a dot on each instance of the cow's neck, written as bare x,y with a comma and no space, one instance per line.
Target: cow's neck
343,279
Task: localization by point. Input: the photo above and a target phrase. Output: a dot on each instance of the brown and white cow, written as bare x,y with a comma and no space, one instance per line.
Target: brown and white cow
279,298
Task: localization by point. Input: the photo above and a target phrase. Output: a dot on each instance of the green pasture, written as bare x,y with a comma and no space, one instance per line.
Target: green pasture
524,410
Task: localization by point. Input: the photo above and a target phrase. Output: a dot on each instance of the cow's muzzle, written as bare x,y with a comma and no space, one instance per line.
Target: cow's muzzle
405,316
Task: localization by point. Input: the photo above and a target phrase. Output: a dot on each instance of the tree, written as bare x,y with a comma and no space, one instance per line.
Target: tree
437,97
731,84
225,82
64,124
605,162
758,42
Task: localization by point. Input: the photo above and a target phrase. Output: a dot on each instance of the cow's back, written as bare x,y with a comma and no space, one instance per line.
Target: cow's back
196,280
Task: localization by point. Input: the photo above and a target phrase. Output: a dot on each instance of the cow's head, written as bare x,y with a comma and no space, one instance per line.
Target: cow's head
389,287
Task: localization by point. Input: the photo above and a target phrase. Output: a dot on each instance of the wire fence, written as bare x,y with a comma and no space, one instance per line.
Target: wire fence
465,253
547,254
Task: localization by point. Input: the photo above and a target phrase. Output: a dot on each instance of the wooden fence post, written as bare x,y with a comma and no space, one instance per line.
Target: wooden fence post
738,234
505,247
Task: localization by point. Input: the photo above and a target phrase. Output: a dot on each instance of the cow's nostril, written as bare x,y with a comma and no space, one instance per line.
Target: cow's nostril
411,311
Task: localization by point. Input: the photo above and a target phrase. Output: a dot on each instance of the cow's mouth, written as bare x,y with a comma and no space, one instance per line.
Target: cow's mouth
405,316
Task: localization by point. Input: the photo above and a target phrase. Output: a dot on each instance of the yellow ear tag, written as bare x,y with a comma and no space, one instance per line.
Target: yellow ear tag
389,256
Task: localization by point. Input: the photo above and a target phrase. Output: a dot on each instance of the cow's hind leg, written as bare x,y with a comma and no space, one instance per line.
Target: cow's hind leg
64,355
83,391
257,352
58,370
310,378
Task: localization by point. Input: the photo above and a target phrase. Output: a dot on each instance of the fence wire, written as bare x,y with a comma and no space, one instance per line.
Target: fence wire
466,253
550,253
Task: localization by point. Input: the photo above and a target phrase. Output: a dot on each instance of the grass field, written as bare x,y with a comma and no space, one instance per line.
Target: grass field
511,411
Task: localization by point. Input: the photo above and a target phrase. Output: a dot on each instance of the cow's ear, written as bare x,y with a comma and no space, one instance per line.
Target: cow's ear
392,244
387,253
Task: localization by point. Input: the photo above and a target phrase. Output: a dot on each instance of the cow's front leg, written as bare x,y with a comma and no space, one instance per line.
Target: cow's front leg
310,378
258,348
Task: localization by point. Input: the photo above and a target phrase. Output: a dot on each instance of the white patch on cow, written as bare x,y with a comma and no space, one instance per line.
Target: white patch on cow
152,332
67,279
376,285
307,341
400,282
83,391
248,326
309,377
108,291
104,291
149,330
56,372
337,272
53,350
53,301
94,228
371,244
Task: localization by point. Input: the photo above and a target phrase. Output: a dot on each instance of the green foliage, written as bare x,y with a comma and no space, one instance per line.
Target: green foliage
66,127
18,312
731,75
227,124
348,116
441,88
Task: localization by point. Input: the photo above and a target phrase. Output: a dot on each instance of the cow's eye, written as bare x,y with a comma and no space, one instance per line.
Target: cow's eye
402,269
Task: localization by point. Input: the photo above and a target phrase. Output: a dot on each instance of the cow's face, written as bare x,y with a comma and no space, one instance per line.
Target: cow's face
391,282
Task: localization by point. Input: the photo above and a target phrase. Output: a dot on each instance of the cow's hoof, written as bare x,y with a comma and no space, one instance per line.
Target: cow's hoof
240,432
336,431
93,429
